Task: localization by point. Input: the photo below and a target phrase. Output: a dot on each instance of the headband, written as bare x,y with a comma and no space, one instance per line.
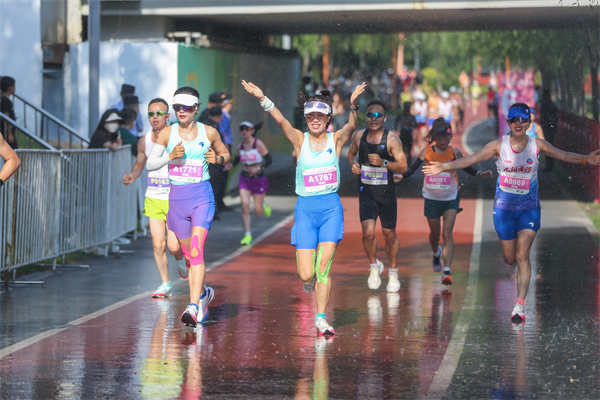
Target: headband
185,99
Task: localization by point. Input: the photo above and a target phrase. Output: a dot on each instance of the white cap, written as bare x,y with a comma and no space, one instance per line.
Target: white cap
247,123
445,95
113,117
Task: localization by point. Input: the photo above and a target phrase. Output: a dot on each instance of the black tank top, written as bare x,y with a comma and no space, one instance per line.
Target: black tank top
364,150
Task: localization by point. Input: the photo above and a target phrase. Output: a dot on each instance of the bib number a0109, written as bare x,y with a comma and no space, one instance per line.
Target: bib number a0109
511,182
373,175
319,179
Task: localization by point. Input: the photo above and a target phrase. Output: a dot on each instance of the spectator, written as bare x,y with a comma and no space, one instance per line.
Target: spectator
213,118
225,125
106,134
129,116
129,90
8,88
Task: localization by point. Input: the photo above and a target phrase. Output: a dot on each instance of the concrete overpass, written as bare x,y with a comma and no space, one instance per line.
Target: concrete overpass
349,16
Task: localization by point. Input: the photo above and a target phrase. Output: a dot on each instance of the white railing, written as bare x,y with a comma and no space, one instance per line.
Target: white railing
64,201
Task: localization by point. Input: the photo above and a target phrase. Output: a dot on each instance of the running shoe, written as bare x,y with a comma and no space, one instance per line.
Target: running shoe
446,278
518,315
438,264
182,267
164,290
374,279
210,294
323,327
512,267
309,286
393,283
247,240
268,210
189,316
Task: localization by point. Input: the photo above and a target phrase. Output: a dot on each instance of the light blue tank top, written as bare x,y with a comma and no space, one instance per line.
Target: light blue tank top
317,173
192,167
531,132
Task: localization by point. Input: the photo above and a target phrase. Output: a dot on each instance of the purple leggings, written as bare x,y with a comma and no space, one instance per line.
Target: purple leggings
189,206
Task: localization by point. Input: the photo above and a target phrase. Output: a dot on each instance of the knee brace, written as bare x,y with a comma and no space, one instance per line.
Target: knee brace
323,277
298,267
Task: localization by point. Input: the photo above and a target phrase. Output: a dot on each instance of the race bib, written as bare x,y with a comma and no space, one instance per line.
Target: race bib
248,158
512,182
318,179
373,175
188,171
439,182
162,183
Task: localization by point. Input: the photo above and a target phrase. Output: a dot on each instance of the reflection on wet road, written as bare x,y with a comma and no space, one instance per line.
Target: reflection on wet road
260,341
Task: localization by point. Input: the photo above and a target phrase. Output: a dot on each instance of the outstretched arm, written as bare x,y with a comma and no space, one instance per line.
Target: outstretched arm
490,150
140,163
573,158
344,134
11,161
293,135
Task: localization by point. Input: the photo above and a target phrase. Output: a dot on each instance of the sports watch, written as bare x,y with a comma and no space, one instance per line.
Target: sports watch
385,163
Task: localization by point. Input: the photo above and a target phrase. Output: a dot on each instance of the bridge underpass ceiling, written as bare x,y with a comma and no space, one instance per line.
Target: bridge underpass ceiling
357,16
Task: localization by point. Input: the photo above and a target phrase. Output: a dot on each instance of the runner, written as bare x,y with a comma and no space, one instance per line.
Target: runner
319,218
255,156
156,203
379,155
433,107
535,130
419,110
441,195
11,161
190,146
517,203
406,126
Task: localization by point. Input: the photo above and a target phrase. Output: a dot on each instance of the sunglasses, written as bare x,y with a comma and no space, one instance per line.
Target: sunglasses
375,115
518,119
181,107
158,113
245,128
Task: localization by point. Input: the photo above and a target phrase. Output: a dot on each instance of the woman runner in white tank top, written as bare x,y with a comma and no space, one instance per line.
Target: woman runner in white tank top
516,207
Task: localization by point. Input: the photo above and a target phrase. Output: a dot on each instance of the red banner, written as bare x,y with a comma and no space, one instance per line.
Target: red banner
580,135
513,87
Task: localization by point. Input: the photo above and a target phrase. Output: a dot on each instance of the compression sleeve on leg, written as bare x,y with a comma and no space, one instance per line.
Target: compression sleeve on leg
323,277
158,158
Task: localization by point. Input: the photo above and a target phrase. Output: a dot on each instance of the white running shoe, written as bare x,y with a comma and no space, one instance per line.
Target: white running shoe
393,283
323,327
182,267
189,316
210,294
374,280
518,314
164,290
309,286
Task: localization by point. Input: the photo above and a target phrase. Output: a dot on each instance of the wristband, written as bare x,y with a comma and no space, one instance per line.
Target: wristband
583,160
267,104
355,109
478,173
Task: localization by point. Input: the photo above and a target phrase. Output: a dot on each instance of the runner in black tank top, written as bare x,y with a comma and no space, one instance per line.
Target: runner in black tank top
379,156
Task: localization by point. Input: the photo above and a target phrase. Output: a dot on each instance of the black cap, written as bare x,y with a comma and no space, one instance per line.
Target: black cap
215,111
219,97
130,99
127,89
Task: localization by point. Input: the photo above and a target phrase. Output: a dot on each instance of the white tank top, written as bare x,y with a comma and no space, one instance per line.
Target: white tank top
158,181
445,108
252,156
421,109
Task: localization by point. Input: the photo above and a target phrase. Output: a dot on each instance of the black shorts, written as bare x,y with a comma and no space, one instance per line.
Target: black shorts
384,207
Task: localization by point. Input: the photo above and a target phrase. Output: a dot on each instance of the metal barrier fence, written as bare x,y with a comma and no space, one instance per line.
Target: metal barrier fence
63,201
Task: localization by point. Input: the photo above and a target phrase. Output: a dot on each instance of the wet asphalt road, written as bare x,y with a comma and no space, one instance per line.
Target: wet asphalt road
98,334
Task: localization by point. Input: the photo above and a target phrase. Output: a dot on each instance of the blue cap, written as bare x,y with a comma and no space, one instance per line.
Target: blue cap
532,110
523,112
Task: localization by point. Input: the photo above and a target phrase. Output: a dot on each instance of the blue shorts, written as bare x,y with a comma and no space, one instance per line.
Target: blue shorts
430,121
317,219
509,222
448,119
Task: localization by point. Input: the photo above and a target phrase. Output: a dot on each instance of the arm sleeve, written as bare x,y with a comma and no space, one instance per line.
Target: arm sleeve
158,158
267,160
413,167
236,161
470,170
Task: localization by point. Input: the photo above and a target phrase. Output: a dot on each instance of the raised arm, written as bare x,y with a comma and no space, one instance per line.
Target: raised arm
490,150
294,135
573,158
11,161
344,134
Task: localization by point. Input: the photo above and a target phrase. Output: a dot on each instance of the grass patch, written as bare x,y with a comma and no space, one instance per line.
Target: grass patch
593,211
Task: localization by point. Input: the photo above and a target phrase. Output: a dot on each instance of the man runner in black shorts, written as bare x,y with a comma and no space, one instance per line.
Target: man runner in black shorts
379,156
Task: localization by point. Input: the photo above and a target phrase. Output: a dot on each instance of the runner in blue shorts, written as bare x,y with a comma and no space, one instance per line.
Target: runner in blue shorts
190,146
517,202
319,218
